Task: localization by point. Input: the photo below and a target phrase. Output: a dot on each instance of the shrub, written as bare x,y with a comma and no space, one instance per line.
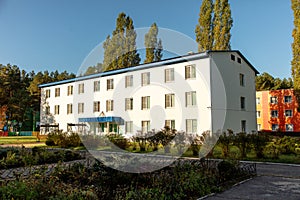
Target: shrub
259,141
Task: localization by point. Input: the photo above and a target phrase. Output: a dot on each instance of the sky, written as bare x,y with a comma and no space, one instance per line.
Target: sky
59,34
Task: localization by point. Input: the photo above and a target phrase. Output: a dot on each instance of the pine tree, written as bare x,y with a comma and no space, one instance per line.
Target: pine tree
204,27
153,47
296,49
120,49
222,23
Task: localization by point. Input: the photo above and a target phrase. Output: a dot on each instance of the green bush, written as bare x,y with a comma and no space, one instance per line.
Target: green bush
63,139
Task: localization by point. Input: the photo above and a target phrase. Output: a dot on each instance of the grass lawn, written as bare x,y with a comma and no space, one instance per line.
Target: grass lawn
19,140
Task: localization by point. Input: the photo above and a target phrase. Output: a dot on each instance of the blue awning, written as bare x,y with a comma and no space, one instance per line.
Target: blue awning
117,120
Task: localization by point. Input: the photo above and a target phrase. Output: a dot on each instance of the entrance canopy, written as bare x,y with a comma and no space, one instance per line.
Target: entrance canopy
111,119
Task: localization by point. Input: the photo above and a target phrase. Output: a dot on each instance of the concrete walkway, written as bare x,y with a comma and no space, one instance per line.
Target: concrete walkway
273,182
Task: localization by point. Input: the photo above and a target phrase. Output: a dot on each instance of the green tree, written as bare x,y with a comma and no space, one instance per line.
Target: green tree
153,46
222,23
120,49
296,49
267,82
204,27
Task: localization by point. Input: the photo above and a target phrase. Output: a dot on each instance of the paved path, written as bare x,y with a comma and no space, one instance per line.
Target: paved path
274,182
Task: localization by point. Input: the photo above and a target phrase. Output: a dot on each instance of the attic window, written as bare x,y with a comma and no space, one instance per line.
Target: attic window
239,60
232,57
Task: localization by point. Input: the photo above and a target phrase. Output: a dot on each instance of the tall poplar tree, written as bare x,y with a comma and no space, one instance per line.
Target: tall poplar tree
153,45
120,49
296,49
204,27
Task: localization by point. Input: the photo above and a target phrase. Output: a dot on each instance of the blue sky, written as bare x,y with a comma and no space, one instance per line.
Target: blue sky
58,34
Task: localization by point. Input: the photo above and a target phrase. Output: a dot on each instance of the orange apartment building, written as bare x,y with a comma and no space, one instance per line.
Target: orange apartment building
277,110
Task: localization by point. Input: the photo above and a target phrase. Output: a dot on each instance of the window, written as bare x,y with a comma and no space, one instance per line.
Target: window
232,57
69,108
191,126
258,127
56,109
287,99
258,114
81,88
169,75
288,113
129,104
47,93
243,125
47,110
257,100
275,127
242,81
96,106
96,86
145,126
80,108
109,105
274,113
145,78
110,84
169,100
273,100
145,103
239,60
70,90
190,71
128,81
170,124
129,127
57,92
190,98
289,127
243,103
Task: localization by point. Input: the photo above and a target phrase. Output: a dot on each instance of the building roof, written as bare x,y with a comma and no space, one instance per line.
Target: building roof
168,61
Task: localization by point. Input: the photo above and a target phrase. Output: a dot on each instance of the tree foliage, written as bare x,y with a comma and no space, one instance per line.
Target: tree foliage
120,49
267,82
153,45
214,25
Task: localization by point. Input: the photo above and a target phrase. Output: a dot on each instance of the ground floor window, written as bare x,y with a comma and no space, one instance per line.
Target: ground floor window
191,126
243,125
129,127
289,127
275,127
145,126
170,124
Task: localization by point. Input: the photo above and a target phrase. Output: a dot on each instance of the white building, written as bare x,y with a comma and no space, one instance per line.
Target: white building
213,90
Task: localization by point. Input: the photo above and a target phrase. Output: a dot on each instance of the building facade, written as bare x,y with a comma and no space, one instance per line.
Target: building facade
277,110
209,91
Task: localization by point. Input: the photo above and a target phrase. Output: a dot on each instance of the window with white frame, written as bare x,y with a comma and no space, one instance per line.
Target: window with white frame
96,106
274,113
287,99
243,103
190,98
145,126
96,86
110,84
109,105
56,110
145,102
129,104
258,127
129,127
242,79
288,113
289,127
69,108
128,81
258,114
70,90
170,124
57,92
257,100
169,100
169,75
273,100
145,78
47,93
80,108
81,88
191,126
47,110
275,127
190,71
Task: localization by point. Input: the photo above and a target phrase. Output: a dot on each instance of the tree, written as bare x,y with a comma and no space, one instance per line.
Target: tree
120,49
204,27
296,49
222,23
153,47
267,82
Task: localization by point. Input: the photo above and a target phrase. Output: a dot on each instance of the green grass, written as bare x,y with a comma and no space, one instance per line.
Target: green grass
18,140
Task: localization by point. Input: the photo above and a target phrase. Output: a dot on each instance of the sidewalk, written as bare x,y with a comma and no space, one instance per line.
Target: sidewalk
273,182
